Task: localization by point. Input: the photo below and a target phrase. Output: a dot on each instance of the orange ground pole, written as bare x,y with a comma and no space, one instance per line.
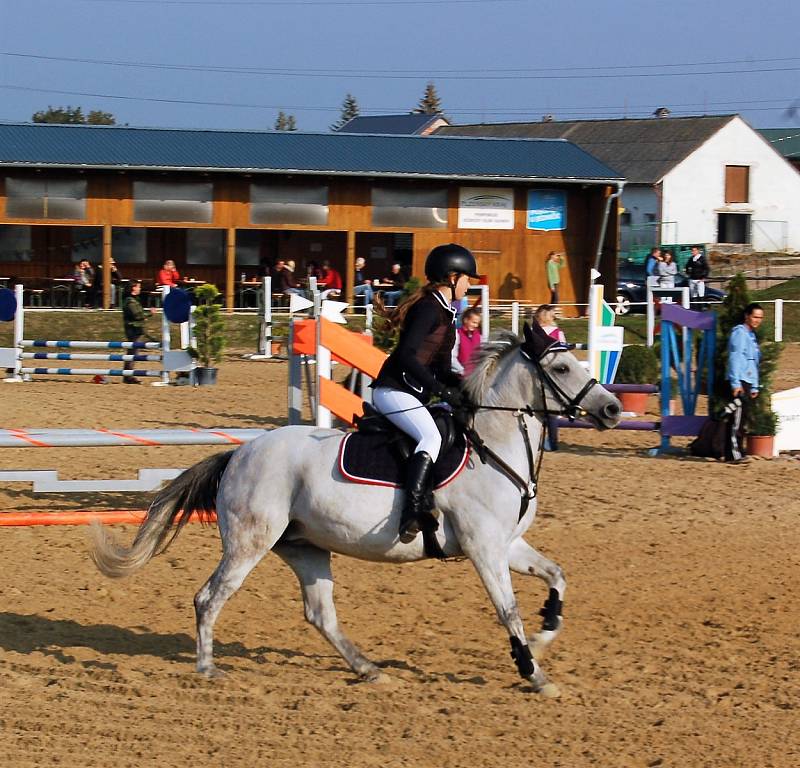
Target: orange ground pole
82,517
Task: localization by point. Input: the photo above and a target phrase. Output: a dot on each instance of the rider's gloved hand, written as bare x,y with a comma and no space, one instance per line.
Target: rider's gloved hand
452,396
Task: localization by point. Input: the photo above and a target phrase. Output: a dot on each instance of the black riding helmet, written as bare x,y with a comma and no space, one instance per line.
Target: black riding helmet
444,259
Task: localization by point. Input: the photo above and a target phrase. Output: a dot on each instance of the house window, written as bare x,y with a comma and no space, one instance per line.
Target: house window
421,208
650,218
172,201
737,185
45,198
286,204
733,228
625,219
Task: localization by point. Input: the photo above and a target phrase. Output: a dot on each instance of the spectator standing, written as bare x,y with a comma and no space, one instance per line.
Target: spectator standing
168,275
397,280
651,267
555,263
697,271
468,339
545,315
744,358
85,280
667,270
116,279
362,287
133,319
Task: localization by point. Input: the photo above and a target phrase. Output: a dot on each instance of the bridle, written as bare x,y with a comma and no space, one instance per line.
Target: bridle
569,407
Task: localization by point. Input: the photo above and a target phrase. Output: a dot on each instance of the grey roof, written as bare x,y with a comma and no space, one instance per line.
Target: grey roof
643,150
401,125
70,146
785,140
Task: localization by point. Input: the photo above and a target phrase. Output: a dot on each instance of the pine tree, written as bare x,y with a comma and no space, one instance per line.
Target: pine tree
430,103
349,111
285,122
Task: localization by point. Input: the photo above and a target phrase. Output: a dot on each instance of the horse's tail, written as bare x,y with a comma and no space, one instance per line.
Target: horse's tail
194,490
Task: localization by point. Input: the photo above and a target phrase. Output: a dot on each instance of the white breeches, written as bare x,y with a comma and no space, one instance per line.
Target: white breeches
410,416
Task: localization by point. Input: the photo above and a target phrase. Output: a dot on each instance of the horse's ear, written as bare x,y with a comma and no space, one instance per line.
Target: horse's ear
536,340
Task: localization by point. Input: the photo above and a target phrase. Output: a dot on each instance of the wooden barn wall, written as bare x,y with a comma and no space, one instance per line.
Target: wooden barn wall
512,260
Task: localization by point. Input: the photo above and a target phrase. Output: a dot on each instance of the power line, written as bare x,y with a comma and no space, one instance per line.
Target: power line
564,110
268,3
536,73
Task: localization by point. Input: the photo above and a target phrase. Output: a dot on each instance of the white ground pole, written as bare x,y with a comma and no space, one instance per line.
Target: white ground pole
514,318
686,302
778,319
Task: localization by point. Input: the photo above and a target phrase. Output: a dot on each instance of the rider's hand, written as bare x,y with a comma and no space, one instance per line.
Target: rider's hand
452,396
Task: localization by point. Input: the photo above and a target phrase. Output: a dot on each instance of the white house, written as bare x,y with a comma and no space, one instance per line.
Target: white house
712,180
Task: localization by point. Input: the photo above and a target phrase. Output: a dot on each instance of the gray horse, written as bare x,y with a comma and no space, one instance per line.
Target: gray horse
284,492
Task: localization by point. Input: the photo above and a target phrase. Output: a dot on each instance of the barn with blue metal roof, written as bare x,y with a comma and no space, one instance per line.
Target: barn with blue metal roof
223,204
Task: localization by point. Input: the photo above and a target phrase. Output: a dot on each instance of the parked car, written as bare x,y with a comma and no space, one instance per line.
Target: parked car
632,290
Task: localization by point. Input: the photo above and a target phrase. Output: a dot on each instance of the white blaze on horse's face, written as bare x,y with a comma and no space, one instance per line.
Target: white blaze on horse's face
568,386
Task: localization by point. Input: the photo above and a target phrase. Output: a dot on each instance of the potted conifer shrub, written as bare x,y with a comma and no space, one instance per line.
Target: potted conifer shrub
209,333
638,364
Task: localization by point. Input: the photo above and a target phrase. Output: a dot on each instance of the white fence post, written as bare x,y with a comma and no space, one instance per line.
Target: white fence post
514,318
778,319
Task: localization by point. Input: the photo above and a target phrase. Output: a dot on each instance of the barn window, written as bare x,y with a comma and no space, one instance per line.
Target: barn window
737,184
15,243
205,246
45,198
421,208
173,201
288,204
733,228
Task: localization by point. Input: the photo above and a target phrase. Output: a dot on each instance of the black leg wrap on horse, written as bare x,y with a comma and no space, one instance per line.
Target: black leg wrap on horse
523,657
551,610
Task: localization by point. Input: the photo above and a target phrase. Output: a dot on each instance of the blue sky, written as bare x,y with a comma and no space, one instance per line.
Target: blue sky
491,60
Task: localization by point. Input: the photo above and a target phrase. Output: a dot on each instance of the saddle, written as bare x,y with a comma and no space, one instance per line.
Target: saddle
377,453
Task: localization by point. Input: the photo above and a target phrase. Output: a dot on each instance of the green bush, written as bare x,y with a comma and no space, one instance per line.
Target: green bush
209,327
638,364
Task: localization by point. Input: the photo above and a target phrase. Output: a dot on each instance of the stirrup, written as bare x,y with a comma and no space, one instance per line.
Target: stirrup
409,530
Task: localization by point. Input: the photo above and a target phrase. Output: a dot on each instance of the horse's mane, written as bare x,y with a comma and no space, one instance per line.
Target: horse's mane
487,358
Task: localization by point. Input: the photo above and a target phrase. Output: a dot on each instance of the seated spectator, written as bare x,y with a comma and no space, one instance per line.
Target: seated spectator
362,287
397,280
168,275
284,280
468,339
85,281
546,317
331,280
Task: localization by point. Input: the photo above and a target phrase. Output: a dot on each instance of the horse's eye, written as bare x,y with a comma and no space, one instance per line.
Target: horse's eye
562,368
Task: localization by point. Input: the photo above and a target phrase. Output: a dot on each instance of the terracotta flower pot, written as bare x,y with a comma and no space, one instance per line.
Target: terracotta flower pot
760,445
633,402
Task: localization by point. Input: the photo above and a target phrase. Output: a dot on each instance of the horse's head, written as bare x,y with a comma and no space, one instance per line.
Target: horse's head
563,384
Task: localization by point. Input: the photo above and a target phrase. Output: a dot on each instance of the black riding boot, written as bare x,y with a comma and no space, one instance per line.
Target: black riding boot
417,496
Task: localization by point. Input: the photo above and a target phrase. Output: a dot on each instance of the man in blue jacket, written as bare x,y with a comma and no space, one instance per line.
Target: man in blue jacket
744,358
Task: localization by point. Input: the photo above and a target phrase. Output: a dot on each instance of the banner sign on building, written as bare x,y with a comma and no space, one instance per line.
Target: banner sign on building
485,208
547,209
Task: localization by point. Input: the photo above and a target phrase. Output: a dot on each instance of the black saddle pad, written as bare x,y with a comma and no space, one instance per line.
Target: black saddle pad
380,459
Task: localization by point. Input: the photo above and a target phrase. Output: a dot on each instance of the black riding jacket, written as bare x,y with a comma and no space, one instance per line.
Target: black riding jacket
420,364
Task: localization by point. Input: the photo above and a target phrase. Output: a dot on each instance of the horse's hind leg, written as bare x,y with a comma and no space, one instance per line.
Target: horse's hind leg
312,566
208,602
523,558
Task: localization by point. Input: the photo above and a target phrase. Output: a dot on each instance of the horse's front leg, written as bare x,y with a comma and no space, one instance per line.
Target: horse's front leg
493,568
524,559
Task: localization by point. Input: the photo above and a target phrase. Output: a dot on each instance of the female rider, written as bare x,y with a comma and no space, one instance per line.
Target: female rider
420,367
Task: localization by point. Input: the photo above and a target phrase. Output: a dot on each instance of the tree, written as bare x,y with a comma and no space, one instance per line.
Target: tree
285,122
73,116
349,111
430,103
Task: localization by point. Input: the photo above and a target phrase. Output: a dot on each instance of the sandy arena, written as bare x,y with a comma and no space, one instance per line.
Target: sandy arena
679,648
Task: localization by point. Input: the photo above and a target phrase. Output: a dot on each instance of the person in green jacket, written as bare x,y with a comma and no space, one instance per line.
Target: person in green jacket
133,318
555,262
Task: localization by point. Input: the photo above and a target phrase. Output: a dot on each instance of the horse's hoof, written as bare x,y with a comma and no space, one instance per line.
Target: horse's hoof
549,691
211,673
376,677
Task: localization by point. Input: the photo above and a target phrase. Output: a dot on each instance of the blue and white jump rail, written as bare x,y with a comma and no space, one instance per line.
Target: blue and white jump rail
176,309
